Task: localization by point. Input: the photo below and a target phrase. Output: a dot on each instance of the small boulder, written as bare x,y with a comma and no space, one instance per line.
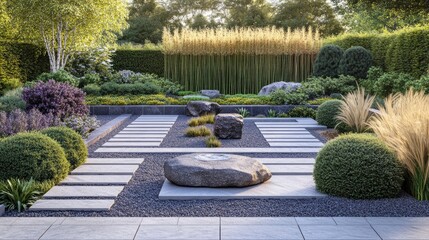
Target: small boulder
211,93
215,170
228,126
287,86
200,108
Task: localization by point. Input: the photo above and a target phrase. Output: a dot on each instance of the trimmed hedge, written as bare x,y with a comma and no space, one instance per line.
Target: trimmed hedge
401,51
144,61
358,166
328,61
356,62
72,143
327,112
32,155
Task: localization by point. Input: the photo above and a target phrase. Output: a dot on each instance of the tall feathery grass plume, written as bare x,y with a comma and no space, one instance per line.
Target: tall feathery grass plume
403,124
355,110
239,60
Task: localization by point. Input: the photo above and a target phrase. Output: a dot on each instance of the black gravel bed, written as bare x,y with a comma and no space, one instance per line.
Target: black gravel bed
251,137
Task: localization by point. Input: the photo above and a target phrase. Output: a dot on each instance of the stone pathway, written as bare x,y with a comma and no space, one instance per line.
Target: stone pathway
90,187
145,131
290,134
216,228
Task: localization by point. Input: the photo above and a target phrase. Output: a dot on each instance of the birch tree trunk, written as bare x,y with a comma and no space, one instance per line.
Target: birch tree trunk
55,42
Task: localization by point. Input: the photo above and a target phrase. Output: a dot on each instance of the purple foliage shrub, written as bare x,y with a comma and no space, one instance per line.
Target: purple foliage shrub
19,121
58,99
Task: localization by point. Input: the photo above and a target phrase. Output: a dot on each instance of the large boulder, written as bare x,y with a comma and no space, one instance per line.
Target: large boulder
228,126
200,108
211,93
287,86
215,170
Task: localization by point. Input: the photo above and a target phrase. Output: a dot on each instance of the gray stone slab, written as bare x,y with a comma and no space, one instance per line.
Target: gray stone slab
135,140
2,210
281,129
145,129
83,191
390,232
291,169
199,221
279,187
144,132
160,221
97,179
72,205
132,144
208,150
294,140
398,220
39,220
340,232
127,135
102,221
91,232
350,221
258,221
105,170
15,232
151,125
315,221
114,161
308,136
296,144
312,126
287,161
178,232
107,128
266,232
286,133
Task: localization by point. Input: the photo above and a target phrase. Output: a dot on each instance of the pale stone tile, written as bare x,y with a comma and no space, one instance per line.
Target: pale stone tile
7,220
399,220
207,150
350,220
93,232
286,161
160,221
340,232
315,221
39,220
102,221
178,232
199,221
291,169
114,161
72,204
258,221
106,169
266,232
84,191
402,232
97,179
14,232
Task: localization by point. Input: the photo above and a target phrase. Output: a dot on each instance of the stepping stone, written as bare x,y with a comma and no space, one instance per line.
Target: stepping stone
308,136
132,144
284,132
295,144
278,187
207,150
143,132
84,191
281,129
146,129
135,140
293,140
296,126
97,179
291,169
114,161
287,161
105,169
72,205
127,135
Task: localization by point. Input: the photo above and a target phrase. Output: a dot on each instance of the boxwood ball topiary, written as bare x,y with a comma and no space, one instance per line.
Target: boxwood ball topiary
328,61
358,166
356,62
32,155
72,143
327,113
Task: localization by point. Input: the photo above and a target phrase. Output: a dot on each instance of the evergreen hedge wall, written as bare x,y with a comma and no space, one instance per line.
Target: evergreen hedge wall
404,51
145,61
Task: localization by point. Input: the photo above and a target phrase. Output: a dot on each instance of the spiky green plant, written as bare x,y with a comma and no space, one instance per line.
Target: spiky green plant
243,112
403,124
18,194
272,113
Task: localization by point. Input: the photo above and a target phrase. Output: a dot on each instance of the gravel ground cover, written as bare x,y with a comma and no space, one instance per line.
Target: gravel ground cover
140,197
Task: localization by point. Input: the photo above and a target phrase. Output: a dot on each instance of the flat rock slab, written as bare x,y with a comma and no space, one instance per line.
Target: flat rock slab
84,191
278,187
127,135
289,137
208,150
105,170
287,161
97,179
281,129
144,132
72,205
295,144
114,161
132,144
283,132
291,169
135,140
295,126
144,129
293,140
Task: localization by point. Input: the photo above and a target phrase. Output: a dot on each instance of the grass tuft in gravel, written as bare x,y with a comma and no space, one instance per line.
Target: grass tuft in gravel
213,142
198,121
198,131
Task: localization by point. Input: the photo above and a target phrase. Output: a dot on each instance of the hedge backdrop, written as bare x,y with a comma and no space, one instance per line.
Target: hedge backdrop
145,61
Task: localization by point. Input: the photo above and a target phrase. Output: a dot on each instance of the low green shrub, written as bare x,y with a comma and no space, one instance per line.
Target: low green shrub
313,89
358,166
59,76
342,84
92,89
90,78
72,143
327,112
320,101
356,62
19,195
281,97
32,155
132,89
328,61
7,84
201,131
302,112
12,100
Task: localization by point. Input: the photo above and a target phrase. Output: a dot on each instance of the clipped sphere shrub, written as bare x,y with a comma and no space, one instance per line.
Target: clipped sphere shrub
32,155
72,143
327,112
356,62
358,166
328,61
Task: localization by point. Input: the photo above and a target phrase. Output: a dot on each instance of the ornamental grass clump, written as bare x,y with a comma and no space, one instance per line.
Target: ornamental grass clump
403,124
213,142
202,131
355,111
239,60
198,121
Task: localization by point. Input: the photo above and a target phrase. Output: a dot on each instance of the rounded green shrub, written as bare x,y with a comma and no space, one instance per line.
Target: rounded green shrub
72,143
356,62
328,61
32,155
358,166
327,113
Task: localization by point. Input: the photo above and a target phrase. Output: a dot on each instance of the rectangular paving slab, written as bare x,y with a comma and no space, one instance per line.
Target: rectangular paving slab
132,144
291,169
284,132
83,191
144,132
296,144
308,136
208,150
97,179
105,169
287,161
72,205
293,140
146,129
296,126
135,140
114,161
278,187
127,135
